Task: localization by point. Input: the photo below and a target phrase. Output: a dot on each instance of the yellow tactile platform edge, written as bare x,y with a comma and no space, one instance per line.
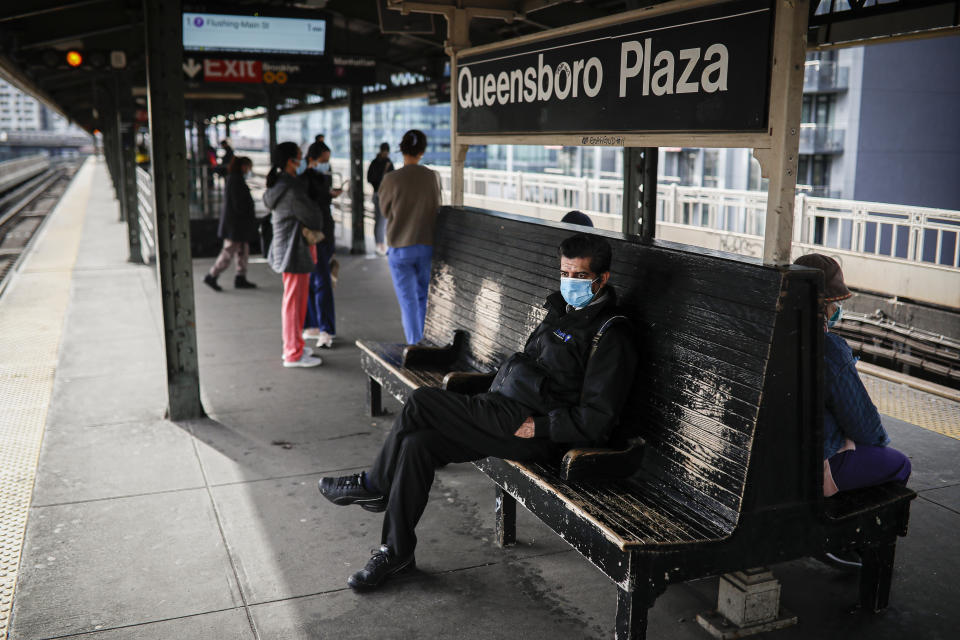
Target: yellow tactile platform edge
32,312
916,407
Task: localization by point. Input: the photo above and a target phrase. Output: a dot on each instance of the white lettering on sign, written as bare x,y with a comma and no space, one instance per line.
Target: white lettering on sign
215,70
540,83
661,73
636,57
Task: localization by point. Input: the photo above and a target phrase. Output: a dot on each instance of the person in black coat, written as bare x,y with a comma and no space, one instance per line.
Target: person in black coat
238,226
320,323
565,389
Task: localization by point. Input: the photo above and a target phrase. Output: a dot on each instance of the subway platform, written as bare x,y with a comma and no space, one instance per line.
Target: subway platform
138,527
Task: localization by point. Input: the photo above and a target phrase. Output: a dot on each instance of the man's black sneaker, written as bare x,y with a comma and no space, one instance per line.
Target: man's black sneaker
350,490
211,282
382,565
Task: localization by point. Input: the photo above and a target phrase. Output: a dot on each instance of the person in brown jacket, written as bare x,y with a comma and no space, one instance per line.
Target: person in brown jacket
409,199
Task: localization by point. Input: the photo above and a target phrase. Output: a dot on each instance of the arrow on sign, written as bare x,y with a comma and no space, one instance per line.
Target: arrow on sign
191,67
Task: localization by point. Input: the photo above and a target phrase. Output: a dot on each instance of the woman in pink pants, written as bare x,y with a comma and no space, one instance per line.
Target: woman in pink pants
290,255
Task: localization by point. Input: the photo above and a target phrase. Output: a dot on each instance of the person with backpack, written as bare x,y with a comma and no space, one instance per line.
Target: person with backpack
379,167
290,255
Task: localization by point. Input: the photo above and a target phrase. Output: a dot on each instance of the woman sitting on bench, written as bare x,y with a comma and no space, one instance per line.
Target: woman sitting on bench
855,452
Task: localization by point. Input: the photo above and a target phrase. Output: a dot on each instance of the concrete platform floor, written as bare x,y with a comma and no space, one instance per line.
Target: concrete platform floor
144,529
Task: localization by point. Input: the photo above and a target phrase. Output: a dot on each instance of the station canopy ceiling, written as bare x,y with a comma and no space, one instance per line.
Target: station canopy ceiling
37,36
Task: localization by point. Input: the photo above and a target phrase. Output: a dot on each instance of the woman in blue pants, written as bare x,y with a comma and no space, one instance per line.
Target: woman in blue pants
409,200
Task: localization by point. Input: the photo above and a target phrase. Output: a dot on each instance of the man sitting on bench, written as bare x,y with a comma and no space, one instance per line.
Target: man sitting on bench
565,389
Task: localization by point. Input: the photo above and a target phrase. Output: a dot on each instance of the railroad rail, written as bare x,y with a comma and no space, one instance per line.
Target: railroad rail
25,205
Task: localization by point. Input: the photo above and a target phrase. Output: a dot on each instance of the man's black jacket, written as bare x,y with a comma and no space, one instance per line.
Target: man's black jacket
575,399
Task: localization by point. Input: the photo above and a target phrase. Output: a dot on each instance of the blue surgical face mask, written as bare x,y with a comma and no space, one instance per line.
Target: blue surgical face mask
323,167
835,318
576,291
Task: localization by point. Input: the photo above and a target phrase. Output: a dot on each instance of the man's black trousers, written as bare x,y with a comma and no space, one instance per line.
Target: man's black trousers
435,428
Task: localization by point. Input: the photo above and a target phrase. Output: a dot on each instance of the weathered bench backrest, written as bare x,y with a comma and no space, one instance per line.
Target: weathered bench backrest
705,326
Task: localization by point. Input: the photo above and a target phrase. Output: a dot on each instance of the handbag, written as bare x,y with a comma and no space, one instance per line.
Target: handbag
312,236
265,229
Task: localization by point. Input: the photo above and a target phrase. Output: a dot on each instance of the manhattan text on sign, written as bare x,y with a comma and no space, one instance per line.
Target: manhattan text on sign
705,70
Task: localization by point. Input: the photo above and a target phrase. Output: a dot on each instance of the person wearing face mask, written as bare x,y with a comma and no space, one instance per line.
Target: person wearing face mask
238,226
292,211
565,389
320,324
855,442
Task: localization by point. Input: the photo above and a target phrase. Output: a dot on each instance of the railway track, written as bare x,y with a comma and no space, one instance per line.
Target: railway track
23,210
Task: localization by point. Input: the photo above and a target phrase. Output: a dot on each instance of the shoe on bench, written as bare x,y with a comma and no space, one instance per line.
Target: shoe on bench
350,490
382,565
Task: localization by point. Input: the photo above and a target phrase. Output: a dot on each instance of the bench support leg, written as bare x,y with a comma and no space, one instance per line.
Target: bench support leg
876,574
505,518
632,610
374,398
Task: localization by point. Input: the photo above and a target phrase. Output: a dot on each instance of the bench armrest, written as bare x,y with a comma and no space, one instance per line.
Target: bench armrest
467,383
417,355
582,464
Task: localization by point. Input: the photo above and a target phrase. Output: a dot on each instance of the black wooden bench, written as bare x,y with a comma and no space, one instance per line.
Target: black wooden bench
727,398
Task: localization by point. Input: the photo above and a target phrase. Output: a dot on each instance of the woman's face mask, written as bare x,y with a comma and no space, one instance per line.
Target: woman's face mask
577,292
835,318
323,167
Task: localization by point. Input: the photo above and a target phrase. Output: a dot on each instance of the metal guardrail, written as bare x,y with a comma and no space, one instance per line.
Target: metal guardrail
918,235
18,170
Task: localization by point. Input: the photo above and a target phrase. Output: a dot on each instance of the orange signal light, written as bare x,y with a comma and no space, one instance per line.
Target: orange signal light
74,59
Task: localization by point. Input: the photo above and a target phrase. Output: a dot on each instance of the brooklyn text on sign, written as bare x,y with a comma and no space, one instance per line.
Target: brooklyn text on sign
699,70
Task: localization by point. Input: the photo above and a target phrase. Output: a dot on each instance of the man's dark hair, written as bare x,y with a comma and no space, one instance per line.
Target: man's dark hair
588,246
384,146
318,138
577,217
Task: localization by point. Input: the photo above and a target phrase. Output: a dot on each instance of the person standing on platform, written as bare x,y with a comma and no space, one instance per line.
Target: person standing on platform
320,322
409,200
238,226
291,212
223,168
379,167
855,442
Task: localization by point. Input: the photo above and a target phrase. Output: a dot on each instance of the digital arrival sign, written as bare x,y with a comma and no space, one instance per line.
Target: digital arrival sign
214,32
704,70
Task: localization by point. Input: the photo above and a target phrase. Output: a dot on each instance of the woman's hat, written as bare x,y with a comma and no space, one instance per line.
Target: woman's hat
834,287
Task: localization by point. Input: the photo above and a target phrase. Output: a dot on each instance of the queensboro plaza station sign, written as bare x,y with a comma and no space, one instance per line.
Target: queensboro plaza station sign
704,70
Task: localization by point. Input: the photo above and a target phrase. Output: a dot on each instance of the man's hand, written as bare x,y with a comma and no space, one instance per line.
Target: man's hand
336,192
526,429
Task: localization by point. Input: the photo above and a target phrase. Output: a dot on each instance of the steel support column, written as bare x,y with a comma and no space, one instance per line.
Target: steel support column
780,161
128,171
640,191
358,242
458,37
272,116
165,89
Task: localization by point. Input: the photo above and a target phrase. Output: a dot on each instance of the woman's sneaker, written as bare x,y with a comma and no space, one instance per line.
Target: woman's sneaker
324,340
307,351
306,360
311,334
